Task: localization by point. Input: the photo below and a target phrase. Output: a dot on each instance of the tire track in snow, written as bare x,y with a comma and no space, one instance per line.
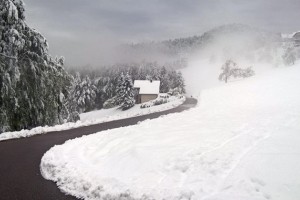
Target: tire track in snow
215,164
235,164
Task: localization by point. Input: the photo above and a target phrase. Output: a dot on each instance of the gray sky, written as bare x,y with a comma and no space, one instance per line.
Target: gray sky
84,31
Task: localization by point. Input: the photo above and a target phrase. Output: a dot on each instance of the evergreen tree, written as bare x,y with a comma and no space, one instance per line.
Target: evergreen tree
71,112
172,78
85,94
245,73
125,94
120,90
179,83
32,83
164,81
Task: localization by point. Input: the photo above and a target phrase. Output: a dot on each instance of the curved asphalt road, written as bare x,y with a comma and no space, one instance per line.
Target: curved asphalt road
20,176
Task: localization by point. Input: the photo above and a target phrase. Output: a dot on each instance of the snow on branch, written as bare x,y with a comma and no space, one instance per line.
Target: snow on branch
11,57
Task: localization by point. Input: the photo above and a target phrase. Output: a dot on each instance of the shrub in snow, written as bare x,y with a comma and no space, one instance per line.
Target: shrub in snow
155,102
175,92
246,72
231,69
164,96
161,99
74,117
110,103
146,105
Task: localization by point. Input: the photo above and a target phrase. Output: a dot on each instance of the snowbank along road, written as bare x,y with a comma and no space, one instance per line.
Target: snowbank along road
20,158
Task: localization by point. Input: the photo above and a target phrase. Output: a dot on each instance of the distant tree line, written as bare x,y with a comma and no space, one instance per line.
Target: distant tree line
186,46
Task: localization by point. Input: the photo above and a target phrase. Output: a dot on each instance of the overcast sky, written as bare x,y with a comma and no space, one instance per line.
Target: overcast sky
85,30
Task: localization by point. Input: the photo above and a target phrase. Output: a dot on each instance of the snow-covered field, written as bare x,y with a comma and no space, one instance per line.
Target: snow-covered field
95,117
240,143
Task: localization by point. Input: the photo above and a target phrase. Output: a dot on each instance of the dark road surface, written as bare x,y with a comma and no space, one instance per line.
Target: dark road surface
20,177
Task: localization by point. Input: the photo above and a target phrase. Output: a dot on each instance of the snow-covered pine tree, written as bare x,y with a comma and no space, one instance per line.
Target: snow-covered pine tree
101,93
172,78
85,94
110,103
248,72
4,95
70,112
164,81
125,94
119,89
179,83
31,81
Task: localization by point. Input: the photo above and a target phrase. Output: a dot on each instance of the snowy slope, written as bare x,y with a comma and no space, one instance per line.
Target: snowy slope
240,143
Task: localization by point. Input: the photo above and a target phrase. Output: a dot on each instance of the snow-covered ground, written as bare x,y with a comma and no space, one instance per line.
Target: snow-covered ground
95,117
241,143
115,113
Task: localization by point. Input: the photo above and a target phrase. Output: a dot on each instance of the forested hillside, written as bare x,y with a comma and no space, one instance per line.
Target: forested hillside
226,39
